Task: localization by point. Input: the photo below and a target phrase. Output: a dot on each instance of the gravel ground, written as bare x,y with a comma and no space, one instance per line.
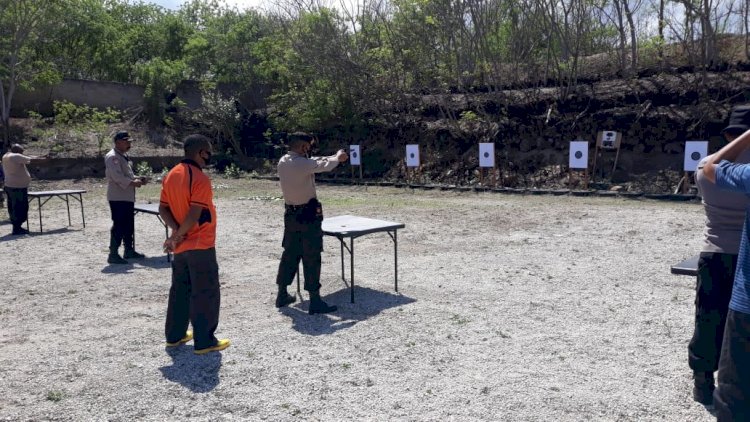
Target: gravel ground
517,308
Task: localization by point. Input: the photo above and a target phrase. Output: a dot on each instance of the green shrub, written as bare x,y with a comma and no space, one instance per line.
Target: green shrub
143,168
232,171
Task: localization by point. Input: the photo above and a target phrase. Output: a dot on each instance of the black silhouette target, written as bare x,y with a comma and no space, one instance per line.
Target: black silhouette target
354,154
486,154
695,156
578,155
411,155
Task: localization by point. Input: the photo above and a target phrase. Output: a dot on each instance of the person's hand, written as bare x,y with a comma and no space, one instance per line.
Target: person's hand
137,183
342,156
171,244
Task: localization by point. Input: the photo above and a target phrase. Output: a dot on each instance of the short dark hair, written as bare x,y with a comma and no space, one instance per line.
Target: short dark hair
194,144
298,137
16,148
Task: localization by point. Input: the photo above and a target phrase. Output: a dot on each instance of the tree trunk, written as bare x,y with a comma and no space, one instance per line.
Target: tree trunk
5,102
662,24
623,37
633,37
708,43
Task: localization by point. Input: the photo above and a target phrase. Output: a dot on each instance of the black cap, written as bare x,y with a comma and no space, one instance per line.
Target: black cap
295,137
122,136
739,120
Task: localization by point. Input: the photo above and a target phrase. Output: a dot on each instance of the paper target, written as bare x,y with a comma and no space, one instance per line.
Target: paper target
487,155
695,151
355,158
609,140
412,155
579,155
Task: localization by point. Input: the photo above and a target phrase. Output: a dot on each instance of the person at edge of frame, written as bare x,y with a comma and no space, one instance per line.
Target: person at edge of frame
732,394
187,208
303,216
121,185
16,185
725,216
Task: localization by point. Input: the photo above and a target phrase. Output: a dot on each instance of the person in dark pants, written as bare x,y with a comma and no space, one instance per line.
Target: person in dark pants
725,216
732,395
186,206
17,180
121,185
303,215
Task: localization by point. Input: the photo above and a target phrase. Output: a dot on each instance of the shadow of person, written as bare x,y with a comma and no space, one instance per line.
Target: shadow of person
153,262
9,236
118,268
198,373
369,303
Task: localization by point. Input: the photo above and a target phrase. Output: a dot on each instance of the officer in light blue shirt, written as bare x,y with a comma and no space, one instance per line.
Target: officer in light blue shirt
732,395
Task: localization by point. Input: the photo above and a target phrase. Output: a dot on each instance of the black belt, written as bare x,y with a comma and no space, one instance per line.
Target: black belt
294,207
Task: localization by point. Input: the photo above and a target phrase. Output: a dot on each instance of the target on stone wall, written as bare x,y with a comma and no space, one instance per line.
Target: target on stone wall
355,158
609,139
579,155
412,155
695,151
487,155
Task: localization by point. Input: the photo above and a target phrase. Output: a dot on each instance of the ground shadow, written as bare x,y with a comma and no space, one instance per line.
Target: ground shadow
118,268
198,373
150,262
368,303
9,237
153,262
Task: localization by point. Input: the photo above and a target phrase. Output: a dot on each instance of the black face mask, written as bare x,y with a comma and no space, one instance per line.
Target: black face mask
207,160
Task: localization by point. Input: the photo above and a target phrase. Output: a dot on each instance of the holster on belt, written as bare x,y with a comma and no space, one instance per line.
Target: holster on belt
312,211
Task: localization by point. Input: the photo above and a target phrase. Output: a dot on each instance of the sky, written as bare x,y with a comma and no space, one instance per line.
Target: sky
241,4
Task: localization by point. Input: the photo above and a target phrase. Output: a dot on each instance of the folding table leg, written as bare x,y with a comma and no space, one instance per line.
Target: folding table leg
351,263
341,242
395,259
67,205
299,291
39,203
83,218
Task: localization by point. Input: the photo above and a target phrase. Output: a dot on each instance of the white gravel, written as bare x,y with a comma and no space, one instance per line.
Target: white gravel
513,308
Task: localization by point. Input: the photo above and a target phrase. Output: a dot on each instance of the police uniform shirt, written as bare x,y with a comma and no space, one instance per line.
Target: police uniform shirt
297,176
119,172
16,174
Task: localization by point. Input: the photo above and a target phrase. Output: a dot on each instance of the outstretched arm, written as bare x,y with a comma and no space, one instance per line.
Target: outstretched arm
730,152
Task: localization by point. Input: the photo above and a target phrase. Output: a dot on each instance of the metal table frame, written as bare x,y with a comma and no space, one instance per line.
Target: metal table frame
76,194
152,209
381,226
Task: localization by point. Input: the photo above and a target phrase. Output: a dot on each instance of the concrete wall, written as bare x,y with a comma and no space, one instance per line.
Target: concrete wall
76,168
94,94
121,96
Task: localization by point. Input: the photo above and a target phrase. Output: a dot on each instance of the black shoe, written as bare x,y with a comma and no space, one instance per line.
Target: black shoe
19,231
284,299
132,254
703,388
115,259
320,307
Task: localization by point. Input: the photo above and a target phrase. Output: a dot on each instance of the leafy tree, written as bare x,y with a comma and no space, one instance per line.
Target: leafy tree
27,30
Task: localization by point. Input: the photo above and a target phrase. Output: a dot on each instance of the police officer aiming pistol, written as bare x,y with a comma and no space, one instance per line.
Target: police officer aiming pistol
303,216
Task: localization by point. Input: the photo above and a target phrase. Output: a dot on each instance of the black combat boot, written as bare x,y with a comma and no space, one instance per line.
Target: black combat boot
703,388
317,306
130,252
114,257
283,298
